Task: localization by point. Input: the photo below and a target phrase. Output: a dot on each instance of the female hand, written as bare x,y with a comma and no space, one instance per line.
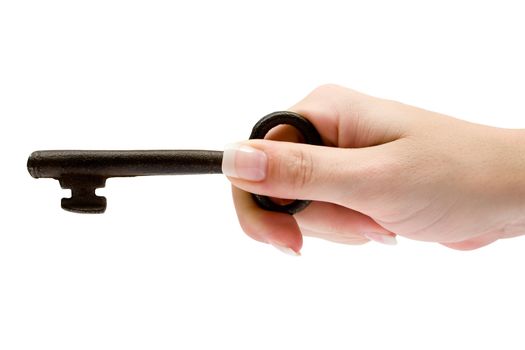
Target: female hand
386,169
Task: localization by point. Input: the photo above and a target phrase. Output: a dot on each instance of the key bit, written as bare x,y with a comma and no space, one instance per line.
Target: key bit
85,171
83,198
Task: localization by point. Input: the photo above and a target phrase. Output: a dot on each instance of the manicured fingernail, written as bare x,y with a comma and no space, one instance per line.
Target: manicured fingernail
286,250
381,238
244,162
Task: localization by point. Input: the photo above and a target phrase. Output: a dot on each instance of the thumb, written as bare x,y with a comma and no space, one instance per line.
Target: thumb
299,171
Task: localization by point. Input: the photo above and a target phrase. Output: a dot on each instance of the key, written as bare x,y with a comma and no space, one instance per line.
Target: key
84,171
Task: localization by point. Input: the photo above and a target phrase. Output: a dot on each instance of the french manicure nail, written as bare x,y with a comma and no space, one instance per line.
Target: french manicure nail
381,238
286,250
244,162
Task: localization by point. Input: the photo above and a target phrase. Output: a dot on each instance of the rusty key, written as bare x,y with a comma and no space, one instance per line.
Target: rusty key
85,171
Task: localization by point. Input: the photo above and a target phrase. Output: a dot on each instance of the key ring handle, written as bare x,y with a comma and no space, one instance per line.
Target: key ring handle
311,136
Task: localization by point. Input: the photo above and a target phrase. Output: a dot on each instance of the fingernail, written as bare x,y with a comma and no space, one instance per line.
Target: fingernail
244,162
286,250
381,238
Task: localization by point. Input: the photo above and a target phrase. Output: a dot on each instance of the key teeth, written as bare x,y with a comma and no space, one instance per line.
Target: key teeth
83,198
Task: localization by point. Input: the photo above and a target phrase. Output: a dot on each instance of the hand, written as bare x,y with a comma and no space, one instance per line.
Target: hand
386,169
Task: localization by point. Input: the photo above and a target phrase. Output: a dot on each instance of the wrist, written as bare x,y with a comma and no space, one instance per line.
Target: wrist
511,175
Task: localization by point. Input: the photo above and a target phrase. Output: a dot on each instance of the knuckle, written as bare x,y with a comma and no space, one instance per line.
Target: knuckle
297,168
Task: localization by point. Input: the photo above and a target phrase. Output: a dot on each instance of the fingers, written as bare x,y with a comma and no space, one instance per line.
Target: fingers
349,239
278,229
336,223
323,220
290,170
474,243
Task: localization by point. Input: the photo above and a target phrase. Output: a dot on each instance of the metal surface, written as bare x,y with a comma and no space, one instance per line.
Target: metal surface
85,171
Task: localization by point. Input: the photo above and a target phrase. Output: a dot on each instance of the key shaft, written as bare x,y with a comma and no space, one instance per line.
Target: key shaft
56,164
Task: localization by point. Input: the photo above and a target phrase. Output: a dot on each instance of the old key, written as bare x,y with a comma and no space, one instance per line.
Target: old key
85,171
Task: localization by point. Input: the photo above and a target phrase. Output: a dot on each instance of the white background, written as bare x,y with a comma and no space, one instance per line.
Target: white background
168,266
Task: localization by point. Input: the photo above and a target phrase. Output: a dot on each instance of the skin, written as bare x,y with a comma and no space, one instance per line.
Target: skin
391,169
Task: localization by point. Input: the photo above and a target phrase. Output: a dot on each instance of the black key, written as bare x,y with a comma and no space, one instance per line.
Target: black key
85,171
